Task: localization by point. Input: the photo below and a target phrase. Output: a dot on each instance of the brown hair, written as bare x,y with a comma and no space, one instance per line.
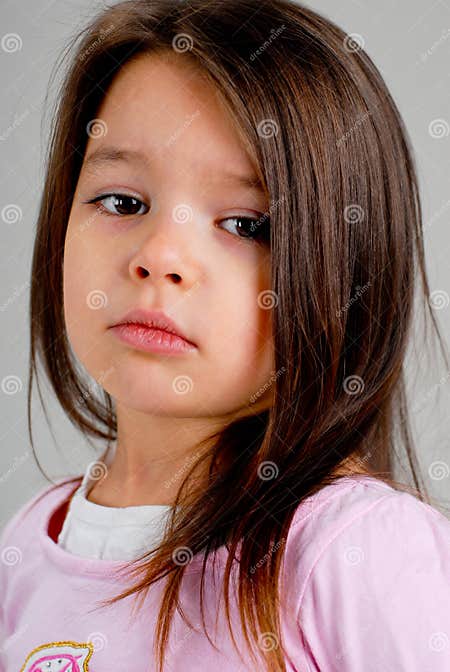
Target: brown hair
346,239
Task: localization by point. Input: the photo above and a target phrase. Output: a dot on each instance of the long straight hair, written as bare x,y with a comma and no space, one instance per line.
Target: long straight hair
346,243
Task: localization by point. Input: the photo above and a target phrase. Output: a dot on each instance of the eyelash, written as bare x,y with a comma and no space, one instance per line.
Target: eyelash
101,208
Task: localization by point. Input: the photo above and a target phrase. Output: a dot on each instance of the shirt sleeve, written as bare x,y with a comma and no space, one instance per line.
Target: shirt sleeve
6,553
378,597
10,554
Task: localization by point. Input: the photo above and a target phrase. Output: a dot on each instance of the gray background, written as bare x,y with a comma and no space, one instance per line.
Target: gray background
409,41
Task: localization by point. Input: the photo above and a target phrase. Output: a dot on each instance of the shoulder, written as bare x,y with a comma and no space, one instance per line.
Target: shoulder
372,574
34,508
25,525
322,517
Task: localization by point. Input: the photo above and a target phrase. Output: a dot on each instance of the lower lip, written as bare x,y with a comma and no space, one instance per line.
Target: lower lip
152,340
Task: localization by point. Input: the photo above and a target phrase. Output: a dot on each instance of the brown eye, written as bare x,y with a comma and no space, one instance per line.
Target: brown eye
123,204
248,227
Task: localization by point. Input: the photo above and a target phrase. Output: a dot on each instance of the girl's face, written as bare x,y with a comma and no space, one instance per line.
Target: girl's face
204,275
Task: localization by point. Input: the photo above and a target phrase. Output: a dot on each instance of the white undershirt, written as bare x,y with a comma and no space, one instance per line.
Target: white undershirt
112,533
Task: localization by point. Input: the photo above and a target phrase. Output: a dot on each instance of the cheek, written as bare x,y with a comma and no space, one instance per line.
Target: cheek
241,335
73,275
255,306
241,369
252,309
86,272
85,297
249,339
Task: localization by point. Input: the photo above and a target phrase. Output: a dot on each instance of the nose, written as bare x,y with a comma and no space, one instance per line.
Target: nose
143,272
165,254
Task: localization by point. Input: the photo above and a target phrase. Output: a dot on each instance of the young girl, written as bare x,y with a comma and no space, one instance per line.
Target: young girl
227,242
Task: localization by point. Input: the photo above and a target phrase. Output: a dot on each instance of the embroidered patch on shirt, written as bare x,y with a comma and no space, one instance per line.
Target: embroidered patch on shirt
59,657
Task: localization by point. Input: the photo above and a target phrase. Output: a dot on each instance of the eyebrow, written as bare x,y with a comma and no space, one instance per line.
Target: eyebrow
109,154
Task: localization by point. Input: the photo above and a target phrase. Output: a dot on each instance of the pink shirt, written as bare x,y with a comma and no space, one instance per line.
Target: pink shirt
366,588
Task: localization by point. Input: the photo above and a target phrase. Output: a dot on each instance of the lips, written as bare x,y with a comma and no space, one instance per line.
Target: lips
155,319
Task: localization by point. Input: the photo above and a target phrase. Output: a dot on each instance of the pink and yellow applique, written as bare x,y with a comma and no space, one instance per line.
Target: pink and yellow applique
59,657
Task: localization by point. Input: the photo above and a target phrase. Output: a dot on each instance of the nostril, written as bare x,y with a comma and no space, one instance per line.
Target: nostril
142,272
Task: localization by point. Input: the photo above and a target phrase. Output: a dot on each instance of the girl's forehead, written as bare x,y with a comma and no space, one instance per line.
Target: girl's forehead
147,76
147,115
